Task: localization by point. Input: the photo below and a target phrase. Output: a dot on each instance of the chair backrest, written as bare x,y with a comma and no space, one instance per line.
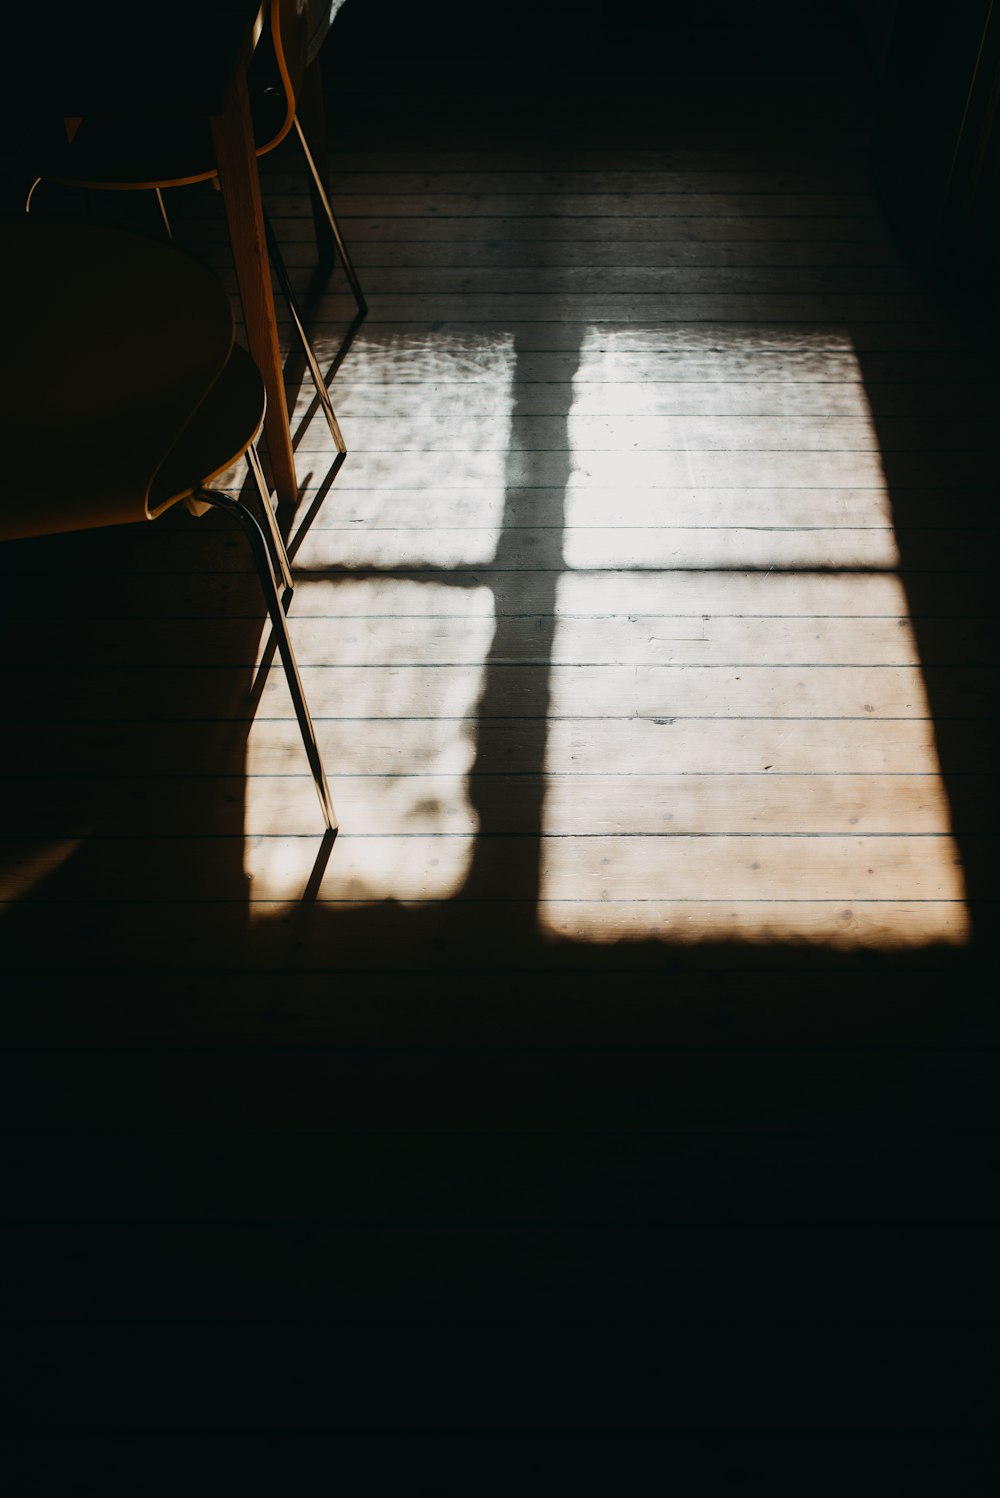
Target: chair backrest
276,71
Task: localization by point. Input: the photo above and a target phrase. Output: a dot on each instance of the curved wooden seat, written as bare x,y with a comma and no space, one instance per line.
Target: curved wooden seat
103,371
126,395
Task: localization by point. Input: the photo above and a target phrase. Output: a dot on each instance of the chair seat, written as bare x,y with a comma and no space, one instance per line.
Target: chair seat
124,394
228,419
115,340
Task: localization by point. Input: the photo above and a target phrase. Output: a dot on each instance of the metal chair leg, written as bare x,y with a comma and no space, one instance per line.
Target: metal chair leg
265,571
324,197
159,203
163,213
277,540
281,272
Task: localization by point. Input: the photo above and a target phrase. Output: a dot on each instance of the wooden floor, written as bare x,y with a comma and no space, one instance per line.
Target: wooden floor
623,1077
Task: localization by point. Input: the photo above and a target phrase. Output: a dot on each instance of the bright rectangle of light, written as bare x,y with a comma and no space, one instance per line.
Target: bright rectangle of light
397,734
748,731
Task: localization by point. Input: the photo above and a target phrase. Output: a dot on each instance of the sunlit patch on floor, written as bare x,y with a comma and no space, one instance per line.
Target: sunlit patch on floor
424,485
740,742
397,733
428,424
392,665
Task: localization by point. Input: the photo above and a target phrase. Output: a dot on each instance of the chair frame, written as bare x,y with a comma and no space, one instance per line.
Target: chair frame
265,557
195,407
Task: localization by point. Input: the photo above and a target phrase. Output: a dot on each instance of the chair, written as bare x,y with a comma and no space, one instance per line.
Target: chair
111,154
126,395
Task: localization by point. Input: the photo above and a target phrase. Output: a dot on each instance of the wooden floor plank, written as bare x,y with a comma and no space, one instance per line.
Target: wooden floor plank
639,638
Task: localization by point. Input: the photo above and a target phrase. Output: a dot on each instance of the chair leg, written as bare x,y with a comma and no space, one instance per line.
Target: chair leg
265,571
317,374
277,540
159,203
163,213
321,193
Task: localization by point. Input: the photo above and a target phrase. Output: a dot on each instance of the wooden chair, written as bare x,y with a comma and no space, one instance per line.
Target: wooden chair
126,395
106,153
